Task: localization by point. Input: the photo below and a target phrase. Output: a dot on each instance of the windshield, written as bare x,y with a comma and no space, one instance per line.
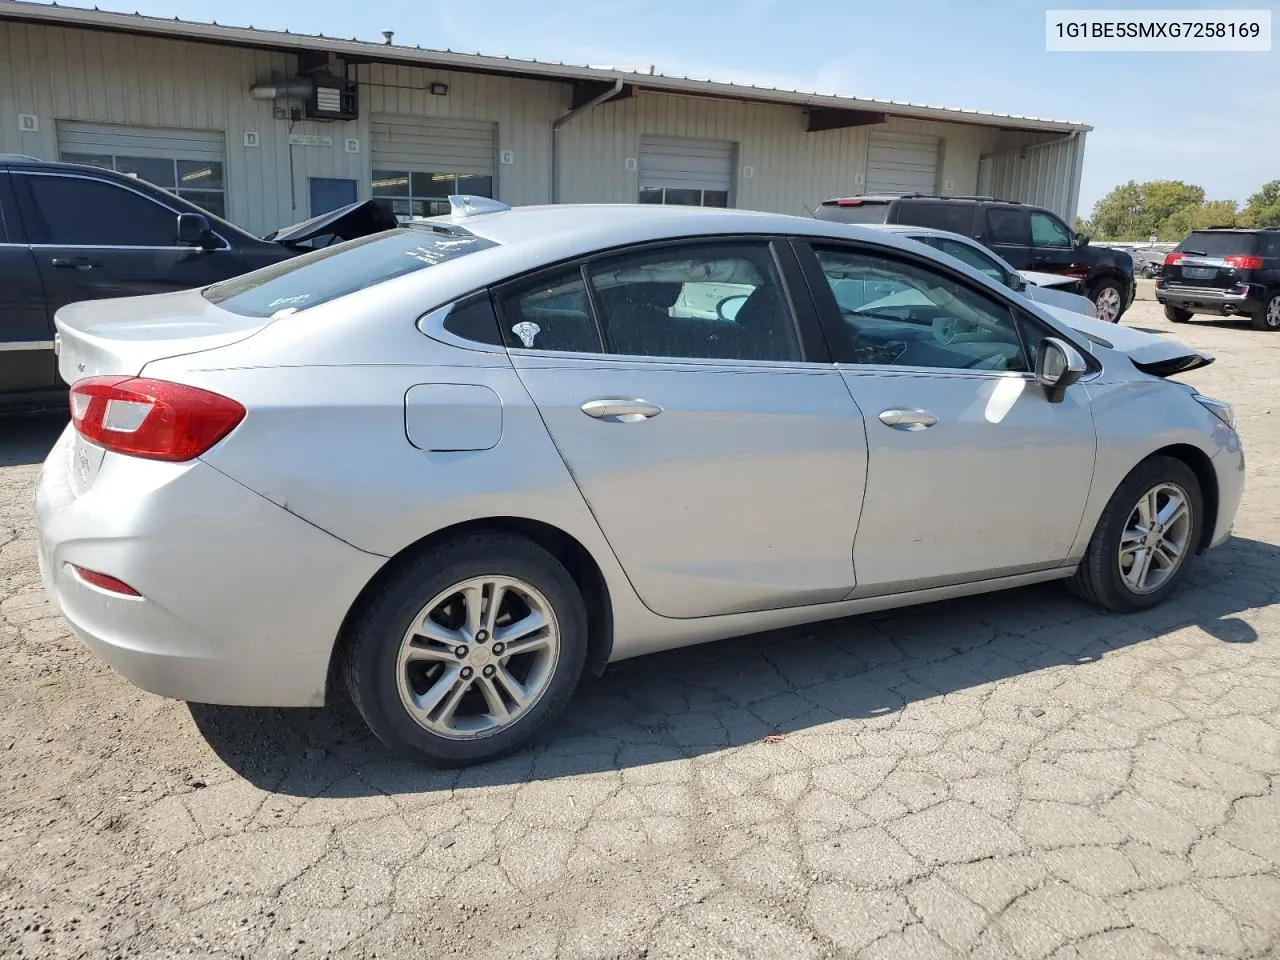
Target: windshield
323,275
1207,243
864,211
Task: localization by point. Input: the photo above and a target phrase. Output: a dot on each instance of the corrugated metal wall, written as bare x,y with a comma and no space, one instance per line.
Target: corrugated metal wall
167,83
1035,168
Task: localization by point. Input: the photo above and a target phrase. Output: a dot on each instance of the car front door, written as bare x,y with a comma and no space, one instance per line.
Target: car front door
715,443
1052,250
27,361
973,473
1007,232
94,239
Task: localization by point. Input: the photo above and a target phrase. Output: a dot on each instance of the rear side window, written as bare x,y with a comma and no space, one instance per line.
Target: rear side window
940,215
326,274
854,211
1007,226
1207,243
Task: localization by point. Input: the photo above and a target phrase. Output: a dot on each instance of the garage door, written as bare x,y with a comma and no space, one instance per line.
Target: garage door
419,161
902,163
691,172
186,162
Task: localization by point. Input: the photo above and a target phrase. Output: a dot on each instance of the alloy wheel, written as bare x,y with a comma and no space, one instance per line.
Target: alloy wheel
1156,538
1273,312
1108,304
478,657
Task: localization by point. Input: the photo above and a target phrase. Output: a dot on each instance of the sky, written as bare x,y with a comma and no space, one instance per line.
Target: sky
1211,119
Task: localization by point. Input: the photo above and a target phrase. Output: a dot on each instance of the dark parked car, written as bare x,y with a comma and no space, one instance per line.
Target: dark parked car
1030,238
1224,272
70,232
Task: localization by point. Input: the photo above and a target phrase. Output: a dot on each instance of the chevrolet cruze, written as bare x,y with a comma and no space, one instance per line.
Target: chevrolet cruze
454,464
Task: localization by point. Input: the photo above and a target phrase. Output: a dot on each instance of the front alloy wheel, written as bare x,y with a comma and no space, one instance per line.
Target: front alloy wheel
1155,539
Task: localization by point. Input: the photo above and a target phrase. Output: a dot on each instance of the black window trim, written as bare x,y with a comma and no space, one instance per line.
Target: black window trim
837,334
24,198
814,346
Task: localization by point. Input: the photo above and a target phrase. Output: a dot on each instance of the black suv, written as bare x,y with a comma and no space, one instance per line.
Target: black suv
1224,272
70,232
1030,238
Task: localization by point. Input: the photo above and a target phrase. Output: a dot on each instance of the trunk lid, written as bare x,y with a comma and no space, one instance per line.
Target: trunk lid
1150,353
1200,259
122,335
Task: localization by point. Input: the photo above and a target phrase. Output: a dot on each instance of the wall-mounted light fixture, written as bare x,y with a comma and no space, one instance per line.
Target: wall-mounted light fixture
439,89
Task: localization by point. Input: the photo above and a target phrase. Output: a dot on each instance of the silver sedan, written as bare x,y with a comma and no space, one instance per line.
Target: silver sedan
455,464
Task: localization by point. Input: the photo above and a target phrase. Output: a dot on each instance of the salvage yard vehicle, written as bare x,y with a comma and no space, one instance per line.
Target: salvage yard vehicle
1030,238
452,465
1224,272
72,231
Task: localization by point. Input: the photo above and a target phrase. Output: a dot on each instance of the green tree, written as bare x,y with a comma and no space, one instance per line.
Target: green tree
1161,199
1116,216
1136,211
1263,208
1215,213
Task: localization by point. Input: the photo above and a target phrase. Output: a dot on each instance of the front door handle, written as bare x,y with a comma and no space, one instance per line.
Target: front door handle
75,263
908,418
621,409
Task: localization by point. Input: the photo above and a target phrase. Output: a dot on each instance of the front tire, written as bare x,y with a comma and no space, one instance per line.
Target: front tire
1145,540
1108,300
1268,318
1177,314
468,651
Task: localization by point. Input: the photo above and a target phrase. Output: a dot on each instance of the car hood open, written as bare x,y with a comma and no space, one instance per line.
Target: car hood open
346,223
1149,352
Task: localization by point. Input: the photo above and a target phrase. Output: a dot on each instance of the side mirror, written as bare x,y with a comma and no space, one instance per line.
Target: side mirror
1017,282
194,230
727,309
1058,366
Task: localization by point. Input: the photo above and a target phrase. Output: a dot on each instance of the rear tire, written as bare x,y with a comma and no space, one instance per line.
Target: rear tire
1111,575
425,642
1108,300
1268,317
1177,314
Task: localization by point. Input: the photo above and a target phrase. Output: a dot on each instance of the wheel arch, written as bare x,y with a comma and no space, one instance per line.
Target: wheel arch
1202,466
577,559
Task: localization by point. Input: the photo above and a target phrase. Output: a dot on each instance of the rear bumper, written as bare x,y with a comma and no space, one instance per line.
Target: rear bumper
241,601
1227,301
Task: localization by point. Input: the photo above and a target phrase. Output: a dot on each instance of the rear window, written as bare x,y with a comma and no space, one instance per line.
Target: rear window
944,215
856,211
323,275
1207,243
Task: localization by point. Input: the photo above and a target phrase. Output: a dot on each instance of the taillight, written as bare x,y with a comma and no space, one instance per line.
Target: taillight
1172,259
1243,262
154,419
104,582
848,202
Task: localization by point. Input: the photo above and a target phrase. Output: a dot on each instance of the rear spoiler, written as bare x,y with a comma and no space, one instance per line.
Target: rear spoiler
346,223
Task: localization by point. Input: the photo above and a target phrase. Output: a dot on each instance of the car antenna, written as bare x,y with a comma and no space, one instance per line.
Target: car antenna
807,210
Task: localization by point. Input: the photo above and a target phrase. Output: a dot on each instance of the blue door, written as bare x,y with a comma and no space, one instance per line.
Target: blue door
329,193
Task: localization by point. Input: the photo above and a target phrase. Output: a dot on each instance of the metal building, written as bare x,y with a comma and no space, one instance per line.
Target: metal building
268,128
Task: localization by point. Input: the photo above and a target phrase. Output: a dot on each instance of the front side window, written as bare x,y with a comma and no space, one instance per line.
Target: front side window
685,197
331,272
1007,226
81,212
418,194
1048,232
711,301
901,314
973,257
200,181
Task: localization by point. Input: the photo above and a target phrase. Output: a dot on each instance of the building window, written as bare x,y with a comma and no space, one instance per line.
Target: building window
688,198
426,194
199,181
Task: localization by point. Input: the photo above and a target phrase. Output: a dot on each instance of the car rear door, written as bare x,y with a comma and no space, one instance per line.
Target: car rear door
1212,259
27,361
94,239
717,447
1007,231
973,474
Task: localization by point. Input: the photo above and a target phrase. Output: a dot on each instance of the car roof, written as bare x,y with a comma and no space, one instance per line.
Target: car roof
888,197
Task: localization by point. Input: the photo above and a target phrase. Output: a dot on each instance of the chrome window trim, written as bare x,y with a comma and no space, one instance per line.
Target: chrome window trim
226,244
13,346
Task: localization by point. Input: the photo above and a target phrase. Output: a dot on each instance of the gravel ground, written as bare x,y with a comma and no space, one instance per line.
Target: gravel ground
1009,776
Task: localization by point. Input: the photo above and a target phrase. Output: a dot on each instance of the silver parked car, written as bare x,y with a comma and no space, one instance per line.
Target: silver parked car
462,461
1046,288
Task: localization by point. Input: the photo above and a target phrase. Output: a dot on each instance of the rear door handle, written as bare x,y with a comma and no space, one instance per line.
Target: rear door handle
908,418
621,409
75,263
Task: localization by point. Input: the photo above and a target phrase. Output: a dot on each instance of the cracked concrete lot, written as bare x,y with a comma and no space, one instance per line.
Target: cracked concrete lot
1009,776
